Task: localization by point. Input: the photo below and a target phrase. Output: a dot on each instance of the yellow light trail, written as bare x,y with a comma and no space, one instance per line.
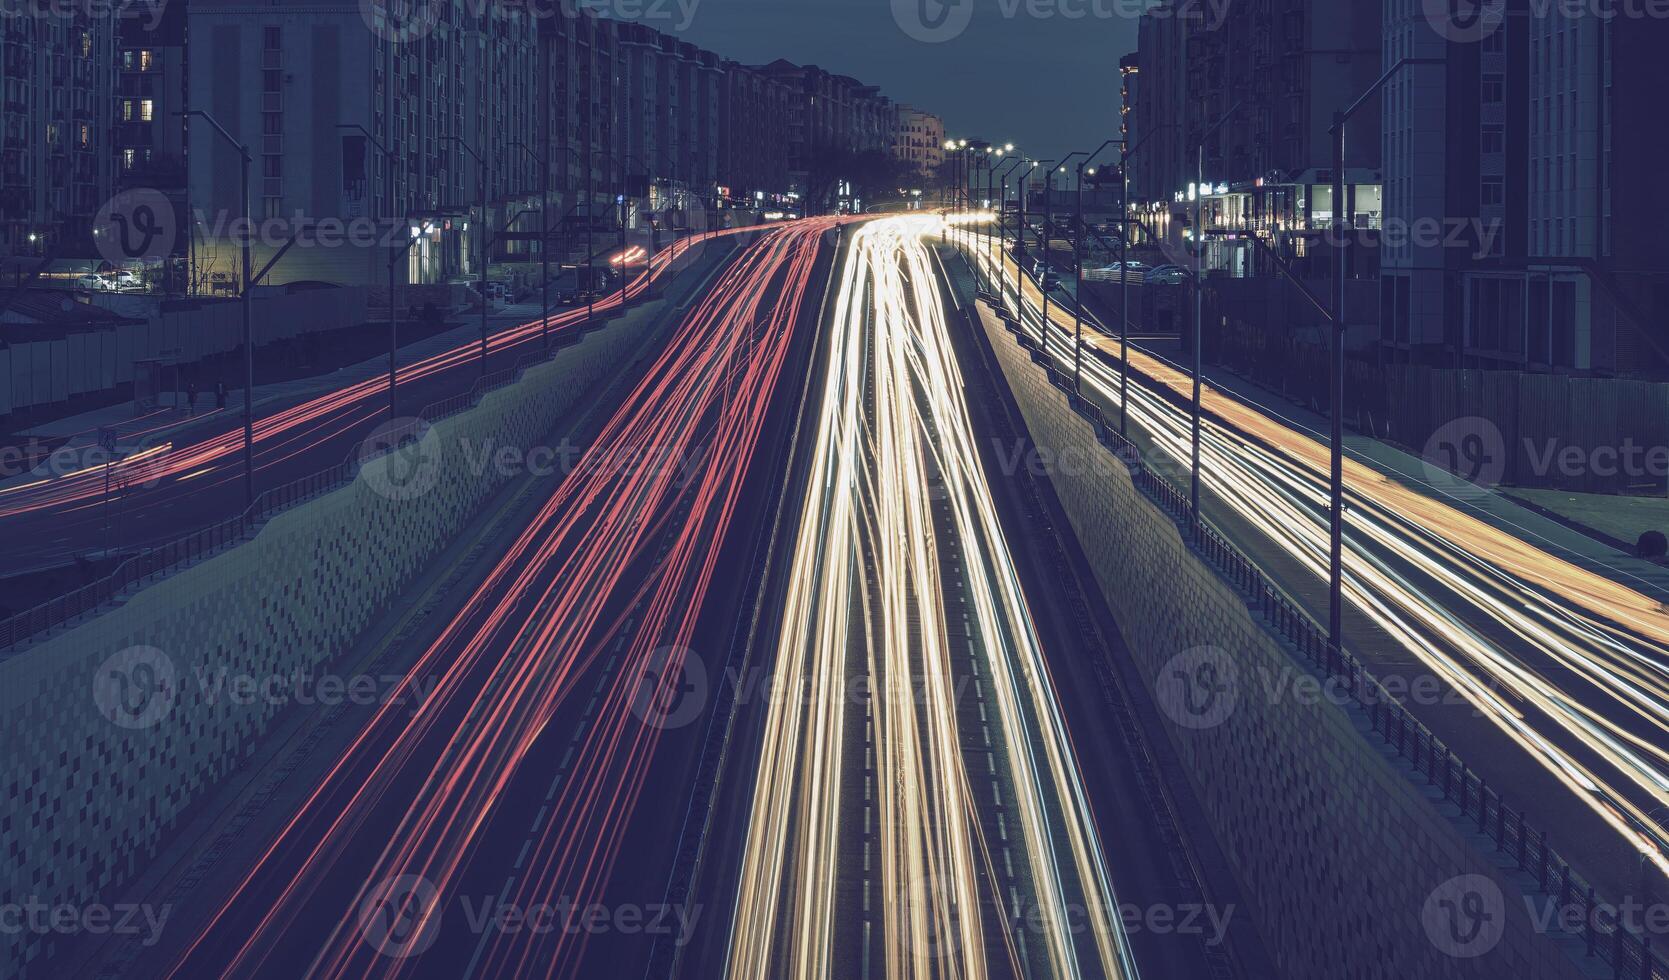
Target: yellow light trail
1607,641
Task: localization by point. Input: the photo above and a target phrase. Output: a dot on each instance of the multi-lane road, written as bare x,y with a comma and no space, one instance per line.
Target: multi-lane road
539,757
581,772
1567,666
948,784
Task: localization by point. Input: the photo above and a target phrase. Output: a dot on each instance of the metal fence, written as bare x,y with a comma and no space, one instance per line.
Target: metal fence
154,563
1629,957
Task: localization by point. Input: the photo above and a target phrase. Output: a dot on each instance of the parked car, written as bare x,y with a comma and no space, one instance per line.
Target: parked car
97,284
1167,275
1114,272
125,281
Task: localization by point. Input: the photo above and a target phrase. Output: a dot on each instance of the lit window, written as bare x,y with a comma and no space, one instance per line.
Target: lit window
145,110
127,159
127,110
145,60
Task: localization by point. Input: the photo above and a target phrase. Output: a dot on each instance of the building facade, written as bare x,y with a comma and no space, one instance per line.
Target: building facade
918,141
57,99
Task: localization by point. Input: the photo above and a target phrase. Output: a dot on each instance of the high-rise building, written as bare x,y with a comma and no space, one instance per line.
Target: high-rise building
1454,215
1596,294
57,95
753,133
302,87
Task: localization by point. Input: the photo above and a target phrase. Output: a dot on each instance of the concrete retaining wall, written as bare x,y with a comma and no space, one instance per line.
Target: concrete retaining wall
110,733
1353,870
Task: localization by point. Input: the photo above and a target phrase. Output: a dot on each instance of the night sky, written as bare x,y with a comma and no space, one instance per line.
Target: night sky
1047,84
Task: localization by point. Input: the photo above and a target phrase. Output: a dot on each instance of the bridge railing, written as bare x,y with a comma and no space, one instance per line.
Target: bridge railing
1602,933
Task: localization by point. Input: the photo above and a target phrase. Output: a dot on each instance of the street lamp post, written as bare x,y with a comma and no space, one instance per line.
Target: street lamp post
394,254
1078,266
1048,216
248,329
544,246
1341,219
481,165
1002,224
1126,151
1199,309
1020,245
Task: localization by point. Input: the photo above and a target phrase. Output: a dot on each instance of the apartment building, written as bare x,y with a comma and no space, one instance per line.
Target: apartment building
57,96
918,140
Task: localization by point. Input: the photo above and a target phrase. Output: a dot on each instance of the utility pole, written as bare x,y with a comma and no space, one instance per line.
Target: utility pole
248,326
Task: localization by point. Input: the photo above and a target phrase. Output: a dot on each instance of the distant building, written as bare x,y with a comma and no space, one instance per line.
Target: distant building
1541,177
1448,133
919,140
753,134
57,96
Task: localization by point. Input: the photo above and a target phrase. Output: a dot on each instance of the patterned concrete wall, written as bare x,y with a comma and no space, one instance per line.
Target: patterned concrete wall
115,727
1354,872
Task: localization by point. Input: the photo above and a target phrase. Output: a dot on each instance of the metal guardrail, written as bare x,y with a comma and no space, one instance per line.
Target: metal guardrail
1629,956
153,563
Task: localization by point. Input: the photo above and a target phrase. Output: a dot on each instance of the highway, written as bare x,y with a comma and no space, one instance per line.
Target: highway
166,486
1571,667
913,741
538,759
